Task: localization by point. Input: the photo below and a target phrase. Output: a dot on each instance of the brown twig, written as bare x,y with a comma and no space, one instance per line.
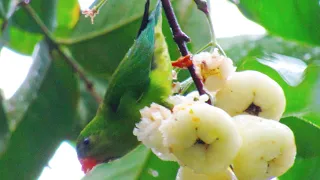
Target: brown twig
181,39
75,67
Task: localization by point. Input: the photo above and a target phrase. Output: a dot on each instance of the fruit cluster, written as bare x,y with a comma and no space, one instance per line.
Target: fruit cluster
238,137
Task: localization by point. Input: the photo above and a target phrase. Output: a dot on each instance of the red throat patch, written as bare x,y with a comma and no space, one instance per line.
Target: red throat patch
87,164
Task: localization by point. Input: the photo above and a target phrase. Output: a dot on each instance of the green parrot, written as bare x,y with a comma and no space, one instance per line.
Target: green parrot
143,76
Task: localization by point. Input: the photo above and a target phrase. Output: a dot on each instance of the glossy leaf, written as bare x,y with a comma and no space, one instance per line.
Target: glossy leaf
289,68
306,134
291,19
303,169
46,122
141,164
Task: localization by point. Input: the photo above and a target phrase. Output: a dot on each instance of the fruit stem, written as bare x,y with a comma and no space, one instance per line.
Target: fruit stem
181,40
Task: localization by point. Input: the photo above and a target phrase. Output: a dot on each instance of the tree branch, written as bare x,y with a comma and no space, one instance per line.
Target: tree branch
181,39
75,67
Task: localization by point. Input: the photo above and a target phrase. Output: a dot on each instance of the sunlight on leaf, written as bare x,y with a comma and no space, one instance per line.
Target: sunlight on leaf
289,68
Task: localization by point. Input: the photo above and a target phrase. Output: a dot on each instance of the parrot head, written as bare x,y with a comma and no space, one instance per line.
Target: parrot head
103,141
89,145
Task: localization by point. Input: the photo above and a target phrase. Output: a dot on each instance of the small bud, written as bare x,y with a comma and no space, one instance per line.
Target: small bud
90,13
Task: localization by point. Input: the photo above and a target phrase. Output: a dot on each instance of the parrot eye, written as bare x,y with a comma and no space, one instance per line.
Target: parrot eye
86,141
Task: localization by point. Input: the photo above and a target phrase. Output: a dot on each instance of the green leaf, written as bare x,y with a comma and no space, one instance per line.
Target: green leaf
47,121
303,169
306,136
14,40
4,8
46,10
19,103
4,127
291,19
11,37
289,68
115,27
140,163
68,14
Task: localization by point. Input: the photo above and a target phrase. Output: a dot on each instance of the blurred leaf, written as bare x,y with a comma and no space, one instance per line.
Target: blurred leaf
46,10
4,127
115,28
47,121
4,8
289,68
291,19
19,103
15,36
140,164
68,14
11,37
22,26
306,136
303,169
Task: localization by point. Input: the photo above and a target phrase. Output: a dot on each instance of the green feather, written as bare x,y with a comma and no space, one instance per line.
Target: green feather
143,76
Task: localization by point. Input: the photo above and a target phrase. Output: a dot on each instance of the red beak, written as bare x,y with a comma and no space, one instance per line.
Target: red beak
87,164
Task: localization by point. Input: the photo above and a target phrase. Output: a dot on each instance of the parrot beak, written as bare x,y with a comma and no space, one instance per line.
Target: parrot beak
87,164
